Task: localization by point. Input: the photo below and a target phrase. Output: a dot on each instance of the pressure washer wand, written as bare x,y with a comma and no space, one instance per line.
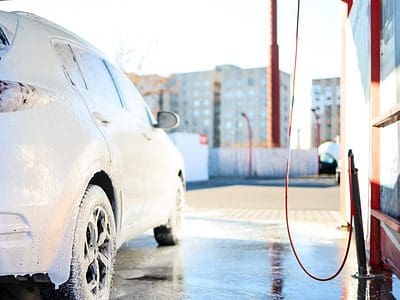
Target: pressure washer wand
357,215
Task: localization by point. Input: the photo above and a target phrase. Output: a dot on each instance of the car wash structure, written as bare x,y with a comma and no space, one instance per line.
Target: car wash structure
370,111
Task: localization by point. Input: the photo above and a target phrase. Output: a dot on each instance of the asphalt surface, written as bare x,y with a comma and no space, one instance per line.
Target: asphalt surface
239,260
235,247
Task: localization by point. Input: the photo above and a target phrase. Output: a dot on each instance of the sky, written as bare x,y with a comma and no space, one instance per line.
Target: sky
174,36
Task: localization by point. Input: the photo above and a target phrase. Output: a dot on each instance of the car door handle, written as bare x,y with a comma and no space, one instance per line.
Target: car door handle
148,134
100,117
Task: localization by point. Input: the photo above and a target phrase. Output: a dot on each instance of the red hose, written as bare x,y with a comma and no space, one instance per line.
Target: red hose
287,179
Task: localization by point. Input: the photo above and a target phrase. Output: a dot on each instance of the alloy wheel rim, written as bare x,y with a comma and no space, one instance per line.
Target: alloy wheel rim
97,251
178,214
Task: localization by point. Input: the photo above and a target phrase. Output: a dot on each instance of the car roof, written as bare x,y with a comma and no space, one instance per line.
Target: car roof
61,32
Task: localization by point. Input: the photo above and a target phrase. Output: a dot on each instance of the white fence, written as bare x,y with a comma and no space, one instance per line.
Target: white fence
265,162
195,154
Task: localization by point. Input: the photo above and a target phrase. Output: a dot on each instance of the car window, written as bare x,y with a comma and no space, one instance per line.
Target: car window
8,26
327,158
69,65
4,43
132,99
98,80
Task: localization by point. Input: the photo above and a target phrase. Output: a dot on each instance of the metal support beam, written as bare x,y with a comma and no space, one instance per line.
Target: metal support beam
375,247
273,85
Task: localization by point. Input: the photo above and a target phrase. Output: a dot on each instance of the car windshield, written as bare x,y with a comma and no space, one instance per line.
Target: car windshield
327,158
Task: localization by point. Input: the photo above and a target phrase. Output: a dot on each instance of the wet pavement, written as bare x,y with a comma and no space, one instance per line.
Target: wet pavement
236,251
235,247
222,259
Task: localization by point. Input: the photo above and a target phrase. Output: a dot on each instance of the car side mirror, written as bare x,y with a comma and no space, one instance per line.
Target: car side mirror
167,120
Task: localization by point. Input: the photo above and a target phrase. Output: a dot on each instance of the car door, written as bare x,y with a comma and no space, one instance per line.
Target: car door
122,133
156,157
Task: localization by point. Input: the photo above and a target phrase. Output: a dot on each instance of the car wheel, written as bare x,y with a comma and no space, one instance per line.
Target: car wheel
170,233
337,177
94,249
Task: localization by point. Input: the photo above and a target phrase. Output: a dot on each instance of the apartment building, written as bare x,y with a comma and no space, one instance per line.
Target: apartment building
212,102
192,96
325,110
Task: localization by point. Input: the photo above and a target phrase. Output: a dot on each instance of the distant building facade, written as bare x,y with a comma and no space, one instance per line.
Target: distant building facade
192,97
211,102
244,90
326,103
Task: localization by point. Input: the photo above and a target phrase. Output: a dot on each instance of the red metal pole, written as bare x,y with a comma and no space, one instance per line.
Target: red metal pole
273,84
250,135
349,5
375,239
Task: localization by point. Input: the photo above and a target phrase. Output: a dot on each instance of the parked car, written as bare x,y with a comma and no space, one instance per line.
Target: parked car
329,155
338,171
84,166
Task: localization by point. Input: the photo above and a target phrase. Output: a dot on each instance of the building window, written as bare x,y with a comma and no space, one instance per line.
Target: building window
228,84
228,114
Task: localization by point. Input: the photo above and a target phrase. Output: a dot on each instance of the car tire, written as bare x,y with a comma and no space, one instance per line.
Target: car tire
170,233
337,177
94,249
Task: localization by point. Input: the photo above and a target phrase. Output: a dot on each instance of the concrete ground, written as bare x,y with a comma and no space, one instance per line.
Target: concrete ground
235,246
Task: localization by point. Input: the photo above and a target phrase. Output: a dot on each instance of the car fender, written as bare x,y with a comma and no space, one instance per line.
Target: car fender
60,267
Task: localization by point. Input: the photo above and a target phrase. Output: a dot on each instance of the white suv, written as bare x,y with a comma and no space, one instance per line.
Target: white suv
84,166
